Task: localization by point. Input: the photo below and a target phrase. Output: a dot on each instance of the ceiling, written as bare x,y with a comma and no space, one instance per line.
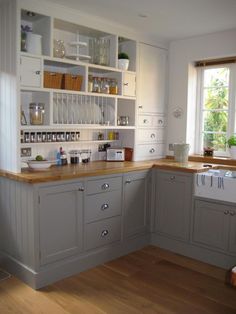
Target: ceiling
166,19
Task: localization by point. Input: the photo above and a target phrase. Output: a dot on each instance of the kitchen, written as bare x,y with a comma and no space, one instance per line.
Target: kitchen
52,228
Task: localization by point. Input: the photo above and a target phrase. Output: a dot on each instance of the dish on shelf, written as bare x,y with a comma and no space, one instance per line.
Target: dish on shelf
78,56
78,43
40,165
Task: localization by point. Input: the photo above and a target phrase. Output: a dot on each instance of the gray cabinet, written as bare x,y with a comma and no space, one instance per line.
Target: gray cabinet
210,224
214,225
135,203
173,204
60,221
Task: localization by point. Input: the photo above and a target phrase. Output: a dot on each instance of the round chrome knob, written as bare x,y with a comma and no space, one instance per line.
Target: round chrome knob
104,206
152,150
128,181
153,135
226,212
104,233
81,189
145,121
232,213
172,178
105,186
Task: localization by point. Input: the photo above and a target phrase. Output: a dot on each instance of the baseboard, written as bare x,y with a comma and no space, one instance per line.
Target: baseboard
71,266
196,252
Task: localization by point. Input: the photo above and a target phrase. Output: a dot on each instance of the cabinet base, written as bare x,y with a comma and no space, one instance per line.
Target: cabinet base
71,266
193,251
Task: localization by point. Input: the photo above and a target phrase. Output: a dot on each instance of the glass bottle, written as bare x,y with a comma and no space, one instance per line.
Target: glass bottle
59,50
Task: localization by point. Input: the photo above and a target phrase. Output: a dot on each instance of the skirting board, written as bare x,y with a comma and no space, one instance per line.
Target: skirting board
196,252
71,266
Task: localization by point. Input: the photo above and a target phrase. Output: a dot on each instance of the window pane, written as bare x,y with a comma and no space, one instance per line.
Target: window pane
216,77
216,98
217,141
215,121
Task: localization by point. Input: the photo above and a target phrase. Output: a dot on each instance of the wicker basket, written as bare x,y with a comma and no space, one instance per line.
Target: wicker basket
72,82
52,79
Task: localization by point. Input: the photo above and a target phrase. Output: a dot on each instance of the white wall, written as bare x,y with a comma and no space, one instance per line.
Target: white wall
182,54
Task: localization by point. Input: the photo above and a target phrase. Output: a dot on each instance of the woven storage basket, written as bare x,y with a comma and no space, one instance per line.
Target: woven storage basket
52,79
72,82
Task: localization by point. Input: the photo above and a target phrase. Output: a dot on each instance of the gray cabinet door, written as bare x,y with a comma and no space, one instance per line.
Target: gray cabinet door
135,207
210,224
60,222
232,237
173,204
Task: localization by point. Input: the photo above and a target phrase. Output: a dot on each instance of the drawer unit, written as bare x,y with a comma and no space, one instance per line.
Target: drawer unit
151,121
102,233
103,185
104,205
150,151
151,135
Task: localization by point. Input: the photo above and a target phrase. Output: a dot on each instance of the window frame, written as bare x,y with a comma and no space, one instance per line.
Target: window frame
231,128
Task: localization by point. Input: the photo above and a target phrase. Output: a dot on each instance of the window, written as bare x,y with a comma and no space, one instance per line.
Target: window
216,107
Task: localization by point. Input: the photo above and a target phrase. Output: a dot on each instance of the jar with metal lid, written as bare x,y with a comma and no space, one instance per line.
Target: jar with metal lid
74,156
37,113
113,87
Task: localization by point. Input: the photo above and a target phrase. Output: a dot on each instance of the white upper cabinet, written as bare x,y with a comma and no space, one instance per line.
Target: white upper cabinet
30,71
129,84
152,79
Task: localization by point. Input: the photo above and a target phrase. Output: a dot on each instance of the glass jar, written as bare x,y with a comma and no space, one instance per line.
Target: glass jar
74,156
113,87
59,50
124,120
96,85
36,113
90,83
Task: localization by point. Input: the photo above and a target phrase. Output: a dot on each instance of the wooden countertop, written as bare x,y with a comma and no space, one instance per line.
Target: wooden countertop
98,168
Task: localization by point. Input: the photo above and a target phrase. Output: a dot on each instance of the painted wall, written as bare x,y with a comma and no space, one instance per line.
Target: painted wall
182,54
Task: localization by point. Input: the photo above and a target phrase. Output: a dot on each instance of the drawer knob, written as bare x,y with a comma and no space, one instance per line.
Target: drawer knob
104,233
105,186
81,189
37,72
128,181
140,107
145,121
126,84
153,135
160,121
232,213
104,206
172,178
226,212
152,150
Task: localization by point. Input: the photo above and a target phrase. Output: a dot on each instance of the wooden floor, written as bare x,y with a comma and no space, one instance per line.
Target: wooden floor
147,281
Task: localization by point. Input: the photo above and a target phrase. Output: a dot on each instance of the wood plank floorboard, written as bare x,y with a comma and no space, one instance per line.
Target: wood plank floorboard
151,280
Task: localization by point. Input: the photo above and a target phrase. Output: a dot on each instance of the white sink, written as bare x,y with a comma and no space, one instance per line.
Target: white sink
216,184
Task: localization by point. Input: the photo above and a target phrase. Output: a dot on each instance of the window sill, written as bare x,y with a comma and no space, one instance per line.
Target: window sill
212,160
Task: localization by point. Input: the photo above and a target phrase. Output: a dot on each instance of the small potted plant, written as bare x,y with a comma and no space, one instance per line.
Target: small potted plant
232,146
123,61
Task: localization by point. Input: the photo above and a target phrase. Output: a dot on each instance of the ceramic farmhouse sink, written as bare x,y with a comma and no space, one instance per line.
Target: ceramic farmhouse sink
217,184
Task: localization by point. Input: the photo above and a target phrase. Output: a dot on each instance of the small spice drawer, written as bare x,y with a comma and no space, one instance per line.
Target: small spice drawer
103,185
102,206
102,233
151,121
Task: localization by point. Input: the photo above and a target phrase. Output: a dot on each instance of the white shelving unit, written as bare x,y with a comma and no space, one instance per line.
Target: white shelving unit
76,110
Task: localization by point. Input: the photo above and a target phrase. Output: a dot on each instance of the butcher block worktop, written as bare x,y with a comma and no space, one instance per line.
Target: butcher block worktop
96,168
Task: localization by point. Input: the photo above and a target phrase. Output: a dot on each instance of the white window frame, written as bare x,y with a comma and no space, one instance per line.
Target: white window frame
231,129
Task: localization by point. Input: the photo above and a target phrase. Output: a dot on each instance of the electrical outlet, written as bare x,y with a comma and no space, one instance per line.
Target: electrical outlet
171,147
26,152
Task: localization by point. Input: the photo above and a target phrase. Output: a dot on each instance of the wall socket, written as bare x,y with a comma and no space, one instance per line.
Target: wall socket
26,152
171,147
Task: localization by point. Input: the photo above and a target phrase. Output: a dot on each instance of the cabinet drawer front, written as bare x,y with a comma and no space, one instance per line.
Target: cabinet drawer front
30,71
104,185
158,121
151,136
150,151
102,206
145,120
102,233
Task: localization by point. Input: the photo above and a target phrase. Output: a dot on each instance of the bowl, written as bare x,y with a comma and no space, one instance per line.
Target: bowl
40,165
